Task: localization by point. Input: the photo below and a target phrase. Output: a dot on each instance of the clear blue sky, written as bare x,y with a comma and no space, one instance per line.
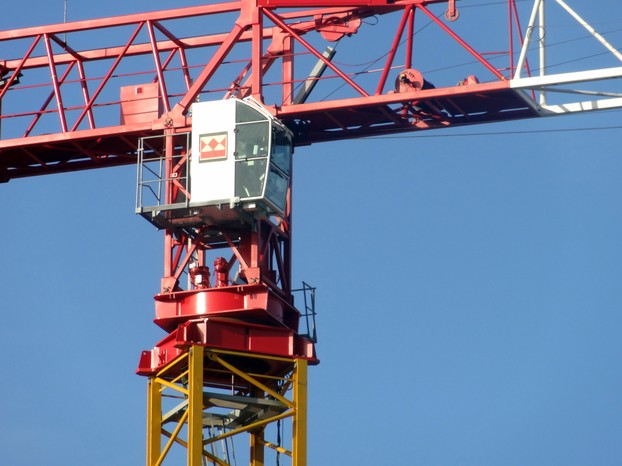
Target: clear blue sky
468,294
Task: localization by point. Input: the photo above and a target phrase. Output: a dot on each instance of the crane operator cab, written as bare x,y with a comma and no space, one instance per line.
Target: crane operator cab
241,156
239,165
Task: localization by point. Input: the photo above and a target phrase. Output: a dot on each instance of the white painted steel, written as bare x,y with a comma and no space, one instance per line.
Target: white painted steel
566,78
590,29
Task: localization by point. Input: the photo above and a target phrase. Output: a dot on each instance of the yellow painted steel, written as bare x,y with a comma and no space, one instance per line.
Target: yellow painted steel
250,379
299,440
249,427
263,357
172,386
195,406
186,377
154,416
207,454
257,456
277,448
172,438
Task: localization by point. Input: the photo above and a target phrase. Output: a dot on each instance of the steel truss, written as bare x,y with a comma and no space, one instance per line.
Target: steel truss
61,100
205,397
546,84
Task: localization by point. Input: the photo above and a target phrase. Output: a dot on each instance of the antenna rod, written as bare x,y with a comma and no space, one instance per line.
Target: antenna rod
65,18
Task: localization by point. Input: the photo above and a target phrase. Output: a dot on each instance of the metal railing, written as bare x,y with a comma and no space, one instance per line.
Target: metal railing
158,187
308,315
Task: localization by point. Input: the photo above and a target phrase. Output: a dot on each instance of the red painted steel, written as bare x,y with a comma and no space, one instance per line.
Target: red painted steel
257,316
57,99
325,3
244,302
67,107
229,335
63,106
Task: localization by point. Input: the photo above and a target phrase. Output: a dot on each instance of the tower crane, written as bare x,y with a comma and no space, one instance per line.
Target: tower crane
209,102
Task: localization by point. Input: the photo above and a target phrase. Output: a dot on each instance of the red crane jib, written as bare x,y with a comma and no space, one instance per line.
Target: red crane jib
79,95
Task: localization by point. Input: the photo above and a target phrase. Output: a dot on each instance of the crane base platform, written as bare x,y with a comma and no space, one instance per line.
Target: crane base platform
233,336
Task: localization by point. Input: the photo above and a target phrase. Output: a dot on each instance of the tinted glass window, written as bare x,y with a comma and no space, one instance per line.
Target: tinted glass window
276,190
250,176
244,113
281,150
252,140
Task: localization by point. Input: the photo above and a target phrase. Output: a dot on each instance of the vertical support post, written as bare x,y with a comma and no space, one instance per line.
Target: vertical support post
154,419
410,38
195,405
257,437
286,227
257,447
299,441
542,47
257,52
288,70
168,281
530,28
511,37
169,155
